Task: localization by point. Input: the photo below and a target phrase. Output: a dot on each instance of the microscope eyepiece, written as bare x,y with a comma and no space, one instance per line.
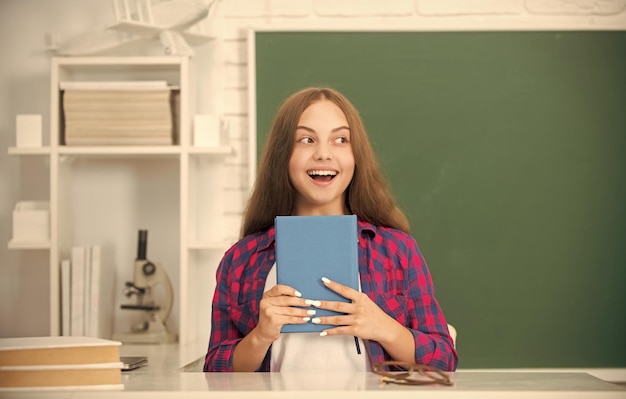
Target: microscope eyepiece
142,244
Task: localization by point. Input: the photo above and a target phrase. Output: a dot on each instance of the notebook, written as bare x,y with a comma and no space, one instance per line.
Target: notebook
311,247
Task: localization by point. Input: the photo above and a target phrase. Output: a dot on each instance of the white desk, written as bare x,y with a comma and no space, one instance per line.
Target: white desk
163,378
472,385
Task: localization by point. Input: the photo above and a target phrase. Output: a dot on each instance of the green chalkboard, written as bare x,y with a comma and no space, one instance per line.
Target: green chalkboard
507,150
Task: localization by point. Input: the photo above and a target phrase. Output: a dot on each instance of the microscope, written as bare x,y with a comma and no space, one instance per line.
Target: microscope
147,278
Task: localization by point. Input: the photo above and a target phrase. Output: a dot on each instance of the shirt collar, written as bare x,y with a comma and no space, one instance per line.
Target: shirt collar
364,226
268,238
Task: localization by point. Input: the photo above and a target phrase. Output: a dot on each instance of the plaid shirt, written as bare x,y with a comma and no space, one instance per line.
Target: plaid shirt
393,274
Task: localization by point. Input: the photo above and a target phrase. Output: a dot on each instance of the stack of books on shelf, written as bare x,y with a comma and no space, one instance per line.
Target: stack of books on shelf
87,293
59,363
119,112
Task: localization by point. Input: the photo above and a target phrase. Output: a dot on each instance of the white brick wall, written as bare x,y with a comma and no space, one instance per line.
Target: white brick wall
235,76
360,8
235,101
236,16
237,126
243,8
235,52
478,7
290,8
586,7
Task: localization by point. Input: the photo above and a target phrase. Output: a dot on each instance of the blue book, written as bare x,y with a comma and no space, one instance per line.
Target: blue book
311,247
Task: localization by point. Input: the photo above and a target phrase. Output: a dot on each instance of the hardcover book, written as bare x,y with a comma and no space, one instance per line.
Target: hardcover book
56,363
311,247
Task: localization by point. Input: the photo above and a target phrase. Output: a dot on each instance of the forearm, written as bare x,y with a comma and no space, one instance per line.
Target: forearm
250,352
398,342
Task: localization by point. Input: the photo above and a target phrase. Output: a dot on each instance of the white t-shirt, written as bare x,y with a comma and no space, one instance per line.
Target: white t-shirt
310,352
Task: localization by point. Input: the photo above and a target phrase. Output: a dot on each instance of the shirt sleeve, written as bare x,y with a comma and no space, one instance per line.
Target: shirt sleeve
224,333
433,344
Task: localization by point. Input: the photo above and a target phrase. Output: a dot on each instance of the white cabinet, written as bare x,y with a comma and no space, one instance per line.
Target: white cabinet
105,194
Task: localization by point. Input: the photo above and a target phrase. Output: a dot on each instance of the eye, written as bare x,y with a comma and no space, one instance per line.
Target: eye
341,140
305,140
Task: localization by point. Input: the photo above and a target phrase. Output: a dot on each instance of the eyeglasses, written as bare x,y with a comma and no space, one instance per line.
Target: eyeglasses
410,374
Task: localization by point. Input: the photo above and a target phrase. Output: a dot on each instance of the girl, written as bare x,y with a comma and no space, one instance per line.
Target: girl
318,161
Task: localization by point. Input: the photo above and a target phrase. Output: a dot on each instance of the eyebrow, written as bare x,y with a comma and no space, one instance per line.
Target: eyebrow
313,131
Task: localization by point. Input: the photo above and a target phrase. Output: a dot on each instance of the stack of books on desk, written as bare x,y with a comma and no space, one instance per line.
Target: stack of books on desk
55,363
119,113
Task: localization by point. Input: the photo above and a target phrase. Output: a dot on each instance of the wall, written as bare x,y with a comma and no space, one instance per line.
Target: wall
222,87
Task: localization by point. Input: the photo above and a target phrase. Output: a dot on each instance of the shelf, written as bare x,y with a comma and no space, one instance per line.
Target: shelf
29,244
192,175
29,150
121,63
218,150
120,150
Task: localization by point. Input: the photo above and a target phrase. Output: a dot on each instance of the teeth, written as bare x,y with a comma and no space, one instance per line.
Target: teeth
322,173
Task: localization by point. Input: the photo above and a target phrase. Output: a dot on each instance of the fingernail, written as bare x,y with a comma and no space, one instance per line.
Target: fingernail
316,320
323,334
312,302
325,280
297,293
306,318
311,312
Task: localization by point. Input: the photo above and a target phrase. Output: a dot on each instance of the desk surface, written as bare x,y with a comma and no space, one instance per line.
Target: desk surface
163,378
467,384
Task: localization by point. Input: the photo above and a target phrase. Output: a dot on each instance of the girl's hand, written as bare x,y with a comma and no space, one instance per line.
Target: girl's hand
277,308
363,318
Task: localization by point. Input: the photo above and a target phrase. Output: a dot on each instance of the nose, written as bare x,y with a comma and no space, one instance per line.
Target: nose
322,152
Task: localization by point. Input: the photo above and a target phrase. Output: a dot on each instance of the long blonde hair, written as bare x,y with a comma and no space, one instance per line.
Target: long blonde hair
368,195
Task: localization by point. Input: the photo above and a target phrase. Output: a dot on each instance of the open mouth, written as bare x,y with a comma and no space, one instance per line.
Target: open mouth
322,175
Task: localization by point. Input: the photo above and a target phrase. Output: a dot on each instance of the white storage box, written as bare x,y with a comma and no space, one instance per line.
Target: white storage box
210,130
31,221
28,130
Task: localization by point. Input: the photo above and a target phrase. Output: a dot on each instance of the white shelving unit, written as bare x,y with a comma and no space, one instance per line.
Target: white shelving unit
177,190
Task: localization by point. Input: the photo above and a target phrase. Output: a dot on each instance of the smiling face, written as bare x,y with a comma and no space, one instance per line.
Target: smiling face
322,164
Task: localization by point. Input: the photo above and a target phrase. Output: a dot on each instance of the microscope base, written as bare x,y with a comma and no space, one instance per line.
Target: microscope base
150,332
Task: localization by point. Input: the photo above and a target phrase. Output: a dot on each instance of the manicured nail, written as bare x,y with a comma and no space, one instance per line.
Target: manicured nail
297,293
316,320
306,318
325,280
323,334
311,312
312,302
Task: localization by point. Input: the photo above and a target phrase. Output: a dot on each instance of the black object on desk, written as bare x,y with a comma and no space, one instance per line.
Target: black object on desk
133,362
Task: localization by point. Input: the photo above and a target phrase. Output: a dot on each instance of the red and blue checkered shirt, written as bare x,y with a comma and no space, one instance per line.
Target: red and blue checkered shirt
393,274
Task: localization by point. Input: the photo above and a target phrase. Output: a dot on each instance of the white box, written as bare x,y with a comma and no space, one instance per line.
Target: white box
28,130
31,221
206,130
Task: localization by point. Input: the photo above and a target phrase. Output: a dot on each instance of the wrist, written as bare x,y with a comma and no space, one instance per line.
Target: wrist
259,340
399,342
250,351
